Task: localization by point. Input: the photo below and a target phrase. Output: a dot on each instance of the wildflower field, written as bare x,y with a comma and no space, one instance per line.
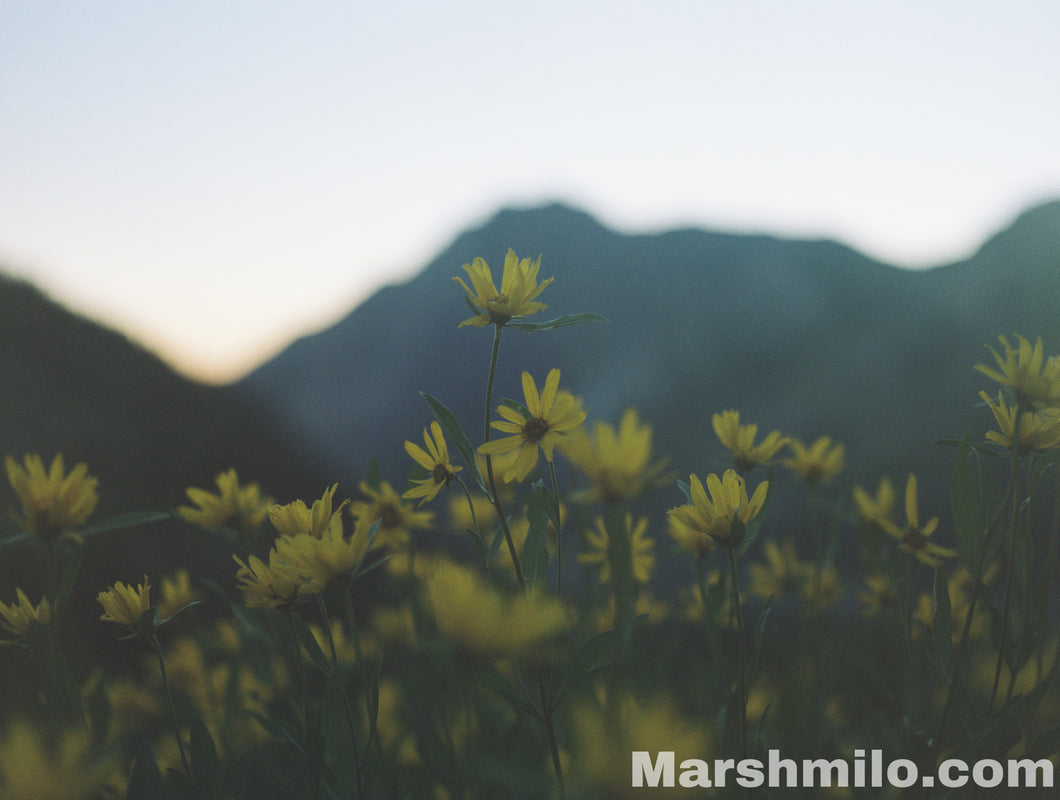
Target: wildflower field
479,628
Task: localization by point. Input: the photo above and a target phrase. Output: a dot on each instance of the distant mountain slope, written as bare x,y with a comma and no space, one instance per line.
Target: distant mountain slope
72,386
807,336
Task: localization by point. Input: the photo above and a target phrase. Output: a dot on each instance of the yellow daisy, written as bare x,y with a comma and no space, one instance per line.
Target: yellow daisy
517,295
551,415
435,459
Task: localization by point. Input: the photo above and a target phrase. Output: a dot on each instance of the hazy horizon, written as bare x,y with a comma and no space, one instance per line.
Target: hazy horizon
215,181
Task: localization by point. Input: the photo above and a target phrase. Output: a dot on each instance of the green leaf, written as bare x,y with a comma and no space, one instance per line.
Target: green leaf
1005,729
130,520
372,477
337,745
620,560
596,652
206,771
24,536
1044,744
66,582
312,647
601,649
535,548
759,638
1042,465
942,623
456,435
1038,612
373,692
491,678
558,322
145,781
966,521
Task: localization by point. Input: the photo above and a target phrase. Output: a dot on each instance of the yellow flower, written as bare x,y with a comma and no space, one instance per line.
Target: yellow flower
318,561
818,463
1022,371
914,538
461,518
396,519
710,600
517,297
435,459
738,438
176,593
53,502
125,604
38,766
1037,430
603,613
241,507
873,510
823,589
482,622
603,739
723,516
15,618
879,595
296,519
345,647
269,585
959,586
551,415
640,546
616,461
519,527
782,573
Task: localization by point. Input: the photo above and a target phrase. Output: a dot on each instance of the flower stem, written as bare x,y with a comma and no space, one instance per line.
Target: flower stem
494,497
1010,570
299,668
962,646
559,538
742,692
169,700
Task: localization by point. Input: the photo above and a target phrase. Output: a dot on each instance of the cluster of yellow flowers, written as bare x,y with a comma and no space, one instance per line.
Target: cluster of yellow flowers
507,622
1030,421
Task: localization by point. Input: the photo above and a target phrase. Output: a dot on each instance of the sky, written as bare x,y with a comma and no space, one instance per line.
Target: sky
215,178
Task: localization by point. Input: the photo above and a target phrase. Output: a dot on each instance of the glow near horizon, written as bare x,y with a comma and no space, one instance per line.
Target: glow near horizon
215,179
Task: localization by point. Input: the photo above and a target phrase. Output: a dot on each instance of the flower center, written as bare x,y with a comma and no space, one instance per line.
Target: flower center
914,540
534,430
440,474
390,517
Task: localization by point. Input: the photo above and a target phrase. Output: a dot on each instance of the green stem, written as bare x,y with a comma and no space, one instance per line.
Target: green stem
169,700
559,538
494,496
557,766
479,542
742,695
327,628
1010,571
299,669
962,646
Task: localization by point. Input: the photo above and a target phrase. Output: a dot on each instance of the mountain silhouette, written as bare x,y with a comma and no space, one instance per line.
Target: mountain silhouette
806,336
74,387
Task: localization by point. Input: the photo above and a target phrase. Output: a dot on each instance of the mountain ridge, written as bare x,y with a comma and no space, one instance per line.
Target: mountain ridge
807,336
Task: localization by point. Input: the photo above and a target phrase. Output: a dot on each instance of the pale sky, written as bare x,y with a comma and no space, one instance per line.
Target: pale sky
216,178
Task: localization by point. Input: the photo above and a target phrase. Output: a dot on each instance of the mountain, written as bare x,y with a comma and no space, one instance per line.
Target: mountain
810,337
75,387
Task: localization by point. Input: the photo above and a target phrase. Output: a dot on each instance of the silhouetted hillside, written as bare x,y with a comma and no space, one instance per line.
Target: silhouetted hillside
73,386
807,336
